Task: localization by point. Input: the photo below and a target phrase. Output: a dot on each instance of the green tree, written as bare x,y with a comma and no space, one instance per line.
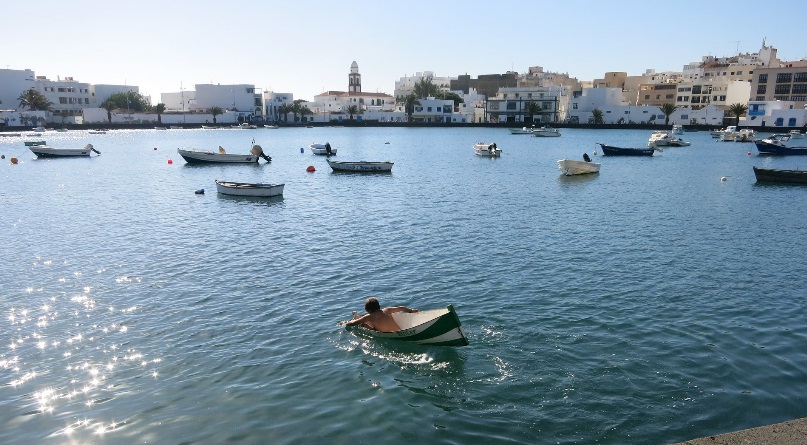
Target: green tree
531,108
215,111
34,100
129,100
450,95
425,88
409,105
351,110
305,111
668,109
159,109
284,111
109,106
738,110
597,114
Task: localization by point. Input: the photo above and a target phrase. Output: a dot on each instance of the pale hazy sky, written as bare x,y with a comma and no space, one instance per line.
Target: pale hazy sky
306,47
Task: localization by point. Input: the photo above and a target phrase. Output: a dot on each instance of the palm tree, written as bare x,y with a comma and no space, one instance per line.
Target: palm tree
425,88
159,109
215,111
597,114
34,100
109,106
531,108
738,110
409,105
668,109
284,111
351,110
305,111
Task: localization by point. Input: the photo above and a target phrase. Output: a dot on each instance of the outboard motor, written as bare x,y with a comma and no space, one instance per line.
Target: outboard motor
586,158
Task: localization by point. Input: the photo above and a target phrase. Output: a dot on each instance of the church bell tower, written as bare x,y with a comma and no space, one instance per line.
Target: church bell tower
354,79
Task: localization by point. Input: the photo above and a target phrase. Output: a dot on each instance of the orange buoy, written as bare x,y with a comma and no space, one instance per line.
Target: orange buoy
13,160
170,161
310,169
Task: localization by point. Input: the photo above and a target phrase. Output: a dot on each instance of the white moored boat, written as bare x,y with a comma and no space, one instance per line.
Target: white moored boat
222,157
361,166
249,189
489,150
439,327
571,167
322,149
522,130
546,132
43,151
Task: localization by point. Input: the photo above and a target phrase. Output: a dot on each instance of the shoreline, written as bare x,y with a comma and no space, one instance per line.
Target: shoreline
791,432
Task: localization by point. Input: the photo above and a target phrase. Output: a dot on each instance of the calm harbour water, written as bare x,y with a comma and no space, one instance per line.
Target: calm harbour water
650,303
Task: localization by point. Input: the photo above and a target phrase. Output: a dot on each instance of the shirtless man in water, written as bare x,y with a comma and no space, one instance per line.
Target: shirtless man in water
379,319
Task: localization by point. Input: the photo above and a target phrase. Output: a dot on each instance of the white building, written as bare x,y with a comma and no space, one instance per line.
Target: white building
69,97
406,85
784,114
510,104
615,110
334,105
272,102
244,100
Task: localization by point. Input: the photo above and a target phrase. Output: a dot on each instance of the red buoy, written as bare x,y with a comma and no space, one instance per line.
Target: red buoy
310,169
170,161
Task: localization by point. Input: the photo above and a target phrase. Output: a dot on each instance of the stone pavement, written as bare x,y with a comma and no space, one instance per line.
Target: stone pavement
793,432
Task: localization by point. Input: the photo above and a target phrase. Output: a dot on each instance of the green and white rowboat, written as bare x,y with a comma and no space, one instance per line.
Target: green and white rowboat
439,327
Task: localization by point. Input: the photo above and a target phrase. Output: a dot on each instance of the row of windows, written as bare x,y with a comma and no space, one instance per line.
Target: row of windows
73,100
700,99
785,78
429,109
495,105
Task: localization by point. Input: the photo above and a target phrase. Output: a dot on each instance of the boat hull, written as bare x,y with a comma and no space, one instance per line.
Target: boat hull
209,157
249,189
571,167
361,167
487,150
767,147
546,133
439,327
787,176
43,151
321,149
609,150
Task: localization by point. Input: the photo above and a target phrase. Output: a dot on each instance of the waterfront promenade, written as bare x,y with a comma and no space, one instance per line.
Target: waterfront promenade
793,432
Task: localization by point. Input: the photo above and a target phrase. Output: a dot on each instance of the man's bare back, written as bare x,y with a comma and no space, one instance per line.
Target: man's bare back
379,319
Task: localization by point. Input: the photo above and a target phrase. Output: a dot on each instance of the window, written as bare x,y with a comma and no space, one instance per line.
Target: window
799,89
800,77
784,77
429,109
511,105
761,89
574,106
646,97
778,122
782,89
696,89
763,78
791,122
799,98
439,109
685,116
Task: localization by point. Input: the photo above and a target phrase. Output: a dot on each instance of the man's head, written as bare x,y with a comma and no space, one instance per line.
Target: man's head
372,305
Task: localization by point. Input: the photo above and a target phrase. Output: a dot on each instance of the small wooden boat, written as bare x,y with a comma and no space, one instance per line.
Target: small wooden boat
489,150
571,167
361,166
43,151
773,175
249,189
438,327
610,150
222,157
322,149
546,132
